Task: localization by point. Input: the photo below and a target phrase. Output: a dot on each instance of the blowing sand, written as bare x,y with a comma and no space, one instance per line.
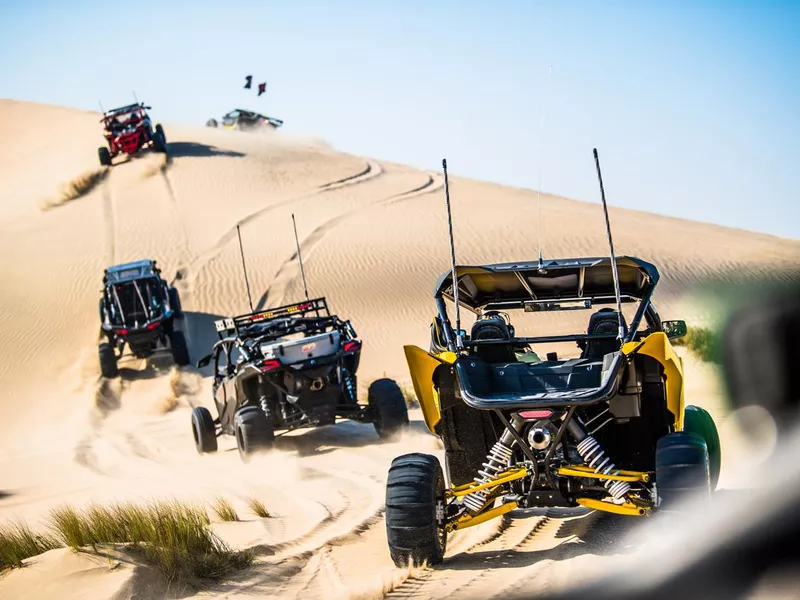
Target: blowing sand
373,238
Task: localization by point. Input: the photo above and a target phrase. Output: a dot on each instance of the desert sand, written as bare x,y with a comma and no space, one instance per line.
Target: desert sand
374,241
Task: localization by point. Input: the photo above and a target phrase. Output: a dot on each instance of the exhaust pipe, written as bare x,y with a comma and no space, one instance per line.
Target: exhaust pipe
539,438
317,384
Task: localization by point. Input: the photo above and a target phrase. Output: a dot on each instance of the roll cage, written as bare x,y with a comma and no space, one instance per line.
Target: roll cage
134,294
141,108
563,284
269,325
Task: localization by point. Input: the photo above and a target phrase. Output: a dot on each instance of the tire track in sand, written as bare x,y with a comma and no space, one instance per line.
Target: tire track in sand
110,220
174,204
288,271
371,171
493,569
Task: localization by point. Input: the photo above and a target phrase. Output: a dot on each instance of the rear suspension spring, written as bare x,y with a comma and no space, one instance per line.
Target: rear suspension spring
594,456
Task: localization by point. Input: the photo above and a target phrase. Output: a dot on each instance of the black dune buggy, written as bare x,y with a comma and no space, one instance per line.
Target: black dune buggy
602,426
245,120
286,368
138,310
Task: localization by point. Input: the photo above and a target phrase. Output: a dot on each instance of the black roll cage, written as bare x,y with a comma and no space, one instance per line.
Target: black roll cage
645,310
113,296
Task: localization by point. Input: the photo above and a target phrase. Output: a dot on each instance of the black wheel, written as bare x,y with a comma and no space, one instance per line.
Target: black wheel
104,156
682,469
698,421
175,303
254,432
389,410
414,491
180,352
211,123
203,430
108,360
159,139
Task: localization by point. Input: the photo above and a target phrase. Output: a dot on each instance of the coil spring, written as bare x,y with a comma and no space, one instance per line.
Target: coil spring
593,455
348,382
264,405
496,461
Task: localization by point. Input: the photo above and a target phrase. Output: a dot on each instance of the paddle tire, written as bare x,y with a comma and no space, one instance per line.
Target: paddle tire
108,360
254,433
203,430
682,469
104,156
159,139
388,406
414,491
180,352
698,421
175,303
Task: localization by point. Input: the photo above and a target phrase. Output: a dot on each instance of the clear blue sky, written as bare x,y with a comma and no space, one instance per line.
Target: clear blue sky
694,106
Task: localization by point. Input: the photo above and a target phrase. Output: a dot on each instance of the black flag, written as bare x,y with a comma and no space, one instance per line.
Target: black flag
262,87
249,79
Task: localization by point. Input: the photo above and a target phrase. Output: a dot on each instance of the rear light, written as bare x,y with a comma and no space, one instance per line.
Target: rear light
122,331
352,346
531,415
152,326
270,364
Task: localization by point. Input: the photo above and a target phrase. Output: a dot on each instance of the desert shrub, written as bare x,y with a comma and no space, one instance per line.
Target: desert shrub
18,542
174,537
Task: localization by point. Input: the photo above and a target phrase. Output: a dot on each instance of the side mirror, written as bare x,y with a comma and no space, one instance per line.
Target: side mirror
204,362
674,329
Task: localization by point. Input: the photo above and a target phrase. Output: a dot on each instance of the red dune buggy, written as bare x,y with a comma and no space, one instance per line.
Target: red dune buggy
128,130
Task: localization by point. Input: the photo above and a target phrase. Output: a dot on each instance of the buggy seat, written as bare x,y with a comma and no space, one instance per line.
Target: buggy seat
605,320
493,328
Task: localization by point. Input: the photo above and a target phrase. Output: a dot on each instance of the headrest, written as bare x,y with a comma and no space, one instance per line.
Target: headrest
491,328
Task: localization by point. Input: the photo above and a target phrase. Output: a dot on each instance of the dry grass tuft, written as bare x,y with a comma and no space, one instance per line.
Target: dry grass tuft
224,510
172,536
258,508
18,542
77,188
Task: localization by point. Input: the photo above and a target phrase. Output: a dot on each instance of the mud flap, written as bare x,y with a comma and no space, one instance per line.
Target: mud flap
421,365
657,346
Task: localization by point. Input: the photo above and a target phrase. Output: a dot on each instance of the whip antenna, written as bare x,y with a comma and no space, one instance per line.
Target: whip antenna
134,96
452,253
300,257
611,247
102,110
244,268
539,168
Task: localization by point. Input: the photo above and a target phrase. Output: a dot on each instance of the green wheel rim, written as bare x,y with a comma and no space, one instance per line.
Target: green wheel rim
697,420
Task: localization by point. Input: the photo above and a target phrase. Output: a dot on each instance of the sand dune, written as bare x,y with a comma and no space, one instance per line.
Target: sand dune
373,238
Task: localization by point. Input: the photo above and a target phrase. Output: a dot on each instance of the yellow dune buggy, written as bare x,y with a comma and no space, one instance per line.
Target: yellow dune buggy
604,426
